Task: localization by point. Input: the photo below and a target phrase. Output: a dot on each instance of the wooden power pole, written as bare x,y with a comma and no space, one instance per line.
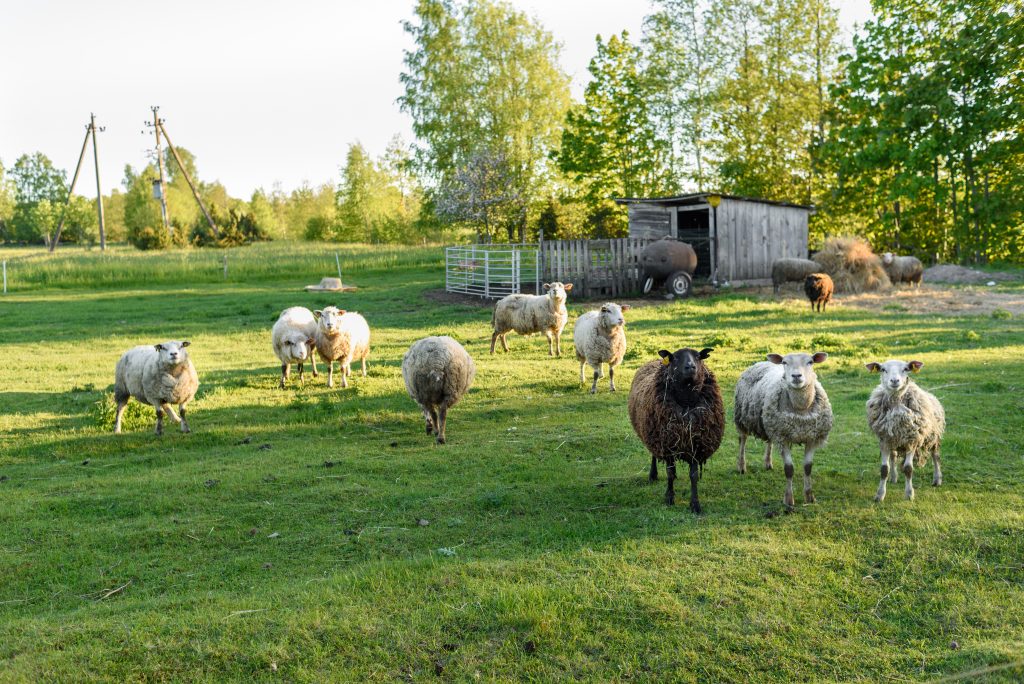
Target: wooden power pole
99,192
188,179
162,187
90,131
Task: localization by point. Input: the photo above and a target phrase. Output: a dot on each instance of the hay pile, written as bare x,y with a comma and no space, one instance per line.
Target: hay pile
852,265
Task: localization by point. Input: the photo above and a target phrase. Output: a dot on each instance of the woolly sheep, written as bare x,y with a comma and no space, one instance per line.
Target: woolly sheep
676,409
437,372
341,336
903,269
600,337
158,375
792,270
908,422
819,288
528,314
293,339
781,402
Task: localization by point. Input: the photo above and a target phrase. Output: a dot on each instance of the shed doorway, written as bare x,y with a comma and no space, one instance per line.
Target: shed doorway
694,227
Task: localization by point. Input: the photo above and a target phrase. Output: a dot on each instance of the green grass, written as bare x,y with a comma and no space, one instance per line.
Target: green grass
281,540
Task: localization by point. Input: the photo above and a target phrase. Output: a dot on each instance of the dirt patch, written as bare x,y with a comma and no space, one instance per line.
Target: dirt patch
935,299
959,275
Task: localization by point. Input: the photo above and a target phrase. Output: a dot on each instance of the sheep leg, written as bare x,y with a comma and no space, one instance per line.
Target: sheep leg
937,466
893,470
558,343
694,477
494,338
887,462
302,375
363,362
908,474
285,368
121,404
504,341
184,423
551,343
597,374
430,423
159,420
611,376
808,464
312,361
582,378
741,460
787,459
442,417
653,476
345,372
171,414
670,491
768,455
330,373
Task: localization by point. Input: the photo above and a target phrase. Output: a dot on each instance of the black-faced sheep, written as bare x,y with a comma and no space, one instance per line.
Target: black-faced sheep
293,339
781,402
908,422
437,372
903,269
600,337
529,314
341,336
792,270
819,288
676,409
158,375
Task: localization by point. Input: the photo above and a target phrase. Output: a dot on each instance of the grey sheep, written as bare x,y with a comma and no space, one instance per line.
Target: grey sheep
903,269
437,372
529,314
293,340
158,375
908,422
792,270
781,402
600,337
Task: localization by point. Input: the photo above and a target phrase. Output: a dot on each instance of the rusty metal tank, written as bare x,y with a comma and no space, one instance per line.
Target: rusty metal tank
670,263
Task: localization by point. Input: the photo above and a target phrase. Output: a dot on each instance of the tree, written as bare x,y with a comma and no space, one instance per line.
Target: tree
35,180
7,202
482,195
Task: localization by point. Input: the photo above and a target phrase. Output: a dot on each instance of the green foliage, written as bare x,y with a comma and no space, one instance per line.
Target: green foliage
378,201
1001,314
40,191
234,228
136,416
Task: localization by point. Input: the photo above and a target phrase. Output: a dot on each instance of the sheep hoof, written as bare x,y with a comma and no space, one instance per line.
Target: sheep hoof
809,497
593,390
937,482
909,495
879,498
430,430
788,501
185,429
742,470
768,466
695,507
441,440
670,499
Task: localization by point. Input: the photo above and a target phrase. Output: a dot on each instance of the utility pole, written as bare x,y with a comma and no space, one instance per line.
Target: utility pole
191,185
162,187
71,190
99,193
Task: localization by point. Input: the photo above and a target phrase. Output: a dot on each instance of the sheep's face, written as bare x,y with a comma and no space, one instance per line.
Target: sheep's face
329,319
887,258
798,369
611,315
557,291
895,374
298,346
685,365
172,353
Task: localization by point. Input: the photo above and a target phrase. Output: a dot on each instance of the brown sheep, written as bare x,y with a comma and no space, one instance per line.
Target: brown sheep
819,288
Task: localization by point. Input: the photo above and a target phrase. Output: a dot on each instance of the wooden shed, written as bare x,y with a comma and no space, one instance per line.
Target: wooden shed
735,241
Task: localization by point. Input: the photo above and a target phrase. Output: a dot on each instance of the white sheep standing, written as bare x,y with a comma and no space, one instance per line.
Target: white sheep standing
529,314
293,339
903,269
158,375
781,402
341,336
437,372
600,337
908,421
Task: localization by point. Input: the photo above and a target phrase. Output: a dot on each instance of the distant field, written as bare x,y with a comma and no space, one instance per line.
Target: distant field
318,535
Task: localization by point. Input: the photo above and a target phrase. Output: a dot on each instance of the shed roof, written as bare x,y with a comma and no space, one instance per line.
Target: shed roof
701,197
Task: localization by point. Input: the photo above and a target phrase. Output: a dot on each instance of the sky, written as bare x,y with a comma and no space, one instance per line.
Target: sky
261,91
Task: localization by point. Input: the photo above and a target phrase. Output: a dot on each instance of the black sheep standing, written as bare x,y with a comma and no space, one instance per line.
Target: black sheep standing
819,288
676,409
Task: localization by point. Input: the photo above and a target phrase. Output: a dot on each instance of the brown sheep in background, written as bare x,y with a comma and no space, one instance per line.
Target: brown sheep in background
819,288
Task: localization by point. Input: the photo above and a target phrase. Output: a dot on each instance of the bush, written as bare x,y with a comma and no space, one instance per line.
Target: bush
236,229
148,237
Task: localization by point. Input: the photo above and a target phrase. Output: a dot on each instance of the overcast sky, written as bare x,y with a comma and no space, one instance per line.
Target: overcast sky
260,91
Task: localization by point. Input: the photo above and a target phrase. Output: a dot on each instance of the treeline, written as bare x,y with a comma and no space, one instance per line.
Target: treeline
911,136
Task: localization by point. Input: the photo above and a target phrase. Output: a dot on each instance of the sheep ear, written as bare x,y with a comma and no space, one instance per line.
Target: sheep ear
158,347
547,286
874,367
341,312
819,357
915,366
625,307
774,358
706,352
310,341
185,343
568,287
317,314
666,357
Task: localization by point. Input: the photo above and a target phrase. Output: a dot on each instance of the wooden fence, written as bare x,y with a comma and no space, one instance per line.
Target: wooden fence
596,268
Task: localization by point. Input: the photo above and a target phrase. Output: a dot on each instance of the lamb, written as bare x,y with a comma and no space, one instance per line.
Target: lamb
292,338
341,336
676,409
781,402
437,372
908,421
792,270
600,337
903,269
528,314
158,375
819,288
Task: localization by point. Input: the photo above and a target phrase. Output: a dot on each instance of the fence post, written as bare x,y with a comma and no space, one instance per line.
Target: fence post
338,262
487,274
225,267
5,276
447,267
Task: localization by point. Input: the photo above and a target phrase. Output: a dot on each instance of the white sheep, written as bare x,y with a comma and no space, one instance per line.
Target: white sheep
293,339
437,372
528,314
908,422
600,337
781,402
341,336
158,375
903,269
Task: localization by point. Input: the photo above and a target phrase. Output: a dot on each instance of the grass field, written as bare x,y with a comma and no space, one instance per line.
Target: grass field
318,535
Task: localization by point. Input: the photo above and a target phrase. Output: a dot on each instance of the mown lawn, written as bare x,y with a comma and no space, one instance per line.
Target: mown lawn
318,535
